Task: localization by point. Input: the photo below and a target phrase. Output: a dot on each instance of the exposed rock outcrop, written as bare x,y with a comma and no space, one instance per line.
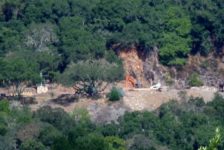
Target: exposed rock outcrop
146,69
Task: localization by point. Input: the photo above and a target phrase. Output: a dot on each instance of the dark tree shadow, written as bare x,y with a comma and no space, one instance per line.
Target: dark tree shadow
22,100
28,100
65,99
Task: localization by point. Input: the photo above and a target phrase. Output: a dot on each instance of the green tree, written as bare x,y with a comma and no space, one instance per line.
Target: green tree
115,143
82,8
214,142
81,116
56,117
45,10
48,135
32,145
194,80
91,77
4,114
175,41
7,37
205,31
91,141
61,143
77,43
18,73
48,63
4,106
41,37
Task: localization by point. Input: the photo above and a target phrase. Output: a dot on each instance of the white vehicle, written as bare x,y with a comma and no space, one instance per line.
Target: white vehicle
156,86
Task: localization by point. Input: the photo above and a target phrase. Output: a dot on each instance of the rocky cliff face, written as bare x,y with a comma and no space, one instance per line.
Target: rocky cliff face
147,70
210,69
154,72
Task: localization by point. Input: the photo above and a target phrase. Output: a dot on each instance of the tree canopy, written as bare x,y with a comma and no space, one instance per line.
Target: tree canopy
76,41
91,77
16,73
71,30
175,125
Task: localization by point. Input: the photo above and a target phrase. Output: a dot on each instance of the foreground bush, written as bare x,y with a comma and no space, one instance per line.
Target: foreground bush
32,145
194,80
115,94
175,126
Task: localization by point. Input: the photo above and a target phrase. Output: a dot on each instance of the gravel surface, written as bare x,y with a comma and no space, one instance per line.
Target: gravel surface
103,111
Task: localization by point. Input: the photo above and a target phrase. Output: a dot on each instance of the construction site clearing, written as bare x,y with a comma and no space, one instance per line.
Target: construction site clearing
134,99
140,92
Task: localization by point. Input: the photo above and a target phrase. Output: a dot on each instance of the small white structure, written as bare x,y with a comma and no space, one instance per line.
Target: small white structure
156,86
29,92
42,89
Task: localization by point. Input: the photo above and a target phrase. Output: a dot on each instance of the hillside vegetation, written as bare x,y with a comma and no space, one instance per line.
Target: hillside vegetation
77,43
174,126
50,34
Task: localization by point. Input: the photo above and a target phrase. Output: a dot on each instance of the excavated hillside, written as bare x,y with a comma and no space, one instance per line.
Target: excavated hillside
133,65
146,70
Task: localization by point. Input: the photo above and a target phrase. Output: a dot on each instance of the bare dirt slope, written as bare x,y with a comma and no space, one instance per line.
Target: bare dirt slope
146,99
134,100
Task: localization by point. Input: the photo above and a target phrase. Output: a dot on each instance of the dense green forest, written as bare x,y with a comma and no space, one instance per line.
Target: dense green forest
50,34
69,41
174,126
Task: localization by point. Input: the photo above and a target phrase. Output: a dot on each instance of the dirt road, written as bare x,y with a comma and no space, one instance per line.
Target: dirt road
143,99
134,100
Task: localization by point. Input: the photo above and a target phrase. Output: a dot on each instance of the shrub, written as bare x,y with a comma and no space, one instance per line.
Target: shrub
3,129
115,94
56,117
61,143
194,80
4,106
115,142
198,101
23,115
92,141
48,135
214,142
168,79
81,115
32,145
